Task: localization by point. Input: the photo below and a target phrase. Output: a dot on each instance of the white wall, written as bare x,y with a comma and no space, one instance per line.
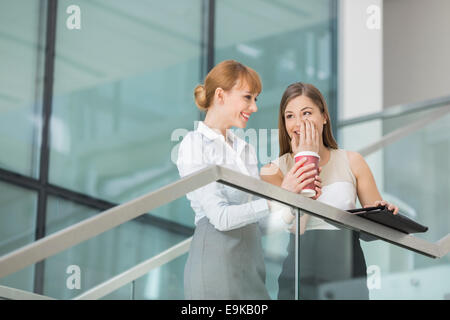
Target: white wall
360,59
360,92
360,74
360,71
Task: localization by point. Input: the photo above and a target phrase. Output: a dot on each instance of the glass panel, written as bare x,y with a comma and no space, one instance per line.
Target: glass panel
280,256
17,229
331,258
252,32
123,293
357,136
416,175
411,173
414,170
394,273
390,272
243,260
22,39
163,283
102,257
123,96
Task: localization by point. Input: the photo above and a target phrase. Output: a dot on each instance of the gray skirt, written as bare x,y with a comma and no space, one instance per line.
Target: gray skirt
225,265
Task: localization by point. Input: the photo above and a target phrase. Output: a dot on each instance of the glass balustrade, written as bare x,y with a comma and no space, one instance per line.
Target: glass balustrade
73,271
412,173
330,262
18,205
263,248
257,252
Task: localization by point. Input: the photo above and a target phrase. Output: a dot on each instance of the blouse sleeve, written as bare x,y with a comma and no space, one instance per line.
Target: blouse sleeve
211,198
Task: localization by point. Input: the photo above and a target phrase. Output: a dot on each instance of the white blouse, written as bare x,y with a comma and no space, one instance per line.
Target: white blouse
226,207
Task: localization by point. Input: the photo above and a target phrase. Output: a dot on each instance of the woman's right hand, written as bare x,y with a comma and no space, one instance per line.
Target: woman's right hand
308,140
297,178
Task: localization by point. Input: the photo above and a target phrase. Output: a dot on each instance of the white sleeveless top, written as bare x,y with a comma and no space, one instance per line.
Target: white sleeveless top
338,184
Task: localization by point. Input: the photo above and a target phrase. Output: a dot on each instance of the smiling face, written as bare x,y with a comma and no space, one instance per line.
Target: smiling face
302,108
238,105
301,101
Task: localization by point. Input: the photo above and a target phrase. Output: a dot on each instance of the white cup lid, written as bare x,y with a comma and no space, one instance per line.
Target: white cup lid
307,153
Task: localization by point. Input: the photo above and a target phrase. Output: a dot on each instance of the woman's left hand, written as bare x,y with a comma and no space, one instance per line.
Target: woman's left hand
380,203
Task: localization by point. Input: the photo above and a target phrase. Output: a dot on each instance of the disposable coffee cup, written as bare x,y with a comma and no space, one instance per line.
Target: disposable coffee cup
311,157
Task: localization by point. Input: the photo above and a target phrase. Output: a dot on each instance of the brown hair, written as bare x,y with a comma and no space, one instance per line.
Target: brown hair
225,75
303,89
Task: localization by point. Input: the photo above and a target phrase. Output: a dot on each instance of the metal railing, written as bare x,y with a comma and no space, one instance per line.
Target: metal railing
404,131
136,272
113,217
8,293
172,253
397,111
109,219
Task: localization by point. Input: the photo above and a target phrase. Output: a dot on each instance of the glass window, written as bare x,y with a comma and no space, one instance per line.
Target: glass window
18,209
102,257
410,173
285,42
22,39
123,86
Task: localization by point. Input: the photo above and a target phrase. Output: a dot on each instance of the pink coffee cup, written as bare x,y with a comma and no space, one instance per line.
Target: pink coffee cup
310,189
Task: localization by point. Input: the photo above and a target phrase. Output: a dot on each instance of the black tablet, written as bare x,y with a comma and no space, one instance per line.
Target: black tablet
386,217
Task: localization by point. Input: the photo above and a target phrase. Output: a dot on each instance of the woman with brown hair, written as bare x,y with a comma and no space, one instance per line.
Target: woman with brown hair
226,257
327,253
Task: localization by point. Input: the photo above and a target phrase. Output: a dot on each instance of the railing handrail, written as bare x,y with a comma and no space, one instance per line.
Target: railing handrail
397,110
404,131
91,227
113,217
17,294
136,272
174,252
